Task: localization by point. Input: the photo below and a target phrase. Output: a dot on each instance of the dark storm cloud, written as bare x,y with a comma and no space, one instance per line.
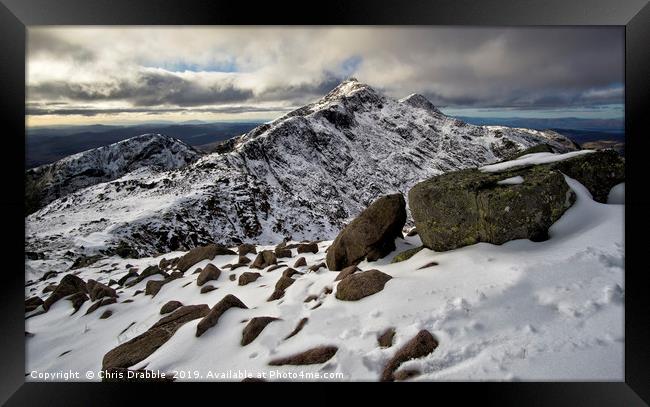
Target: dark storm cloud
41,110
42,43
146,89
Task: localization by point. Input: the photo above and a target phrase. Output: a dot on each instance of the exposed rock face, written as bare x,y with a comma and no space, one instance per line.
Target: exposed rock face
421,345
139,348
360,285
308,247
197,254
313,356
211,319
210,272
70,284
264,259
466,207
254,327
248,277
372,234
170,306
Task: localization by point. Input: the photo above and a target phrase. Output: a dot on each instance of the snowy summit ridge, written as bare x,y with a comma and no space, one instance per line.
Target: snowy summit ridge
303,175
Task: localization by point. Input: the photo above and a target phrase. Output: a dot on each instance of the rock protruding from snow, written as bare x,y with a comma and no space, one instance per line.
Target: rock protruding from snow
255,327
51,181
201,253
140,347
211,319
421,345
359,285
69,285
371,234
312,356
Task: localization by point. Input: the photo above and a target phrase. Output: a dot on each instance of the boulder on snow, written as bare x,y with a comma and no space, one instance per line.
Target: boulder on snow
298,328
470,206
98,290
139,348
32,303
207,288
248,277
370,235
313,356
406,254
101,303
69,284
282,252
421,345
280,286
170,306
311,247
254,327
360,285
197,254
148,272
385,339
300,262
211,319
264,259
210,272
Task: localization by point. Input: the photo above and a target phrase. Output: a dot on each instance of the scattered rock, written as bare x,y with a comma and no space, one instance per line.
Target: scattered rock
313,356
300,262
421,345
254,328
207,288
264,259
360,285
311,298
282,284
98,290
137,292
277,266
315,267
148,272
430,264
405,374
49,288
32,303
406,254
106,314
243,260
348,271
130,274
125,251
101,303
139,348
85,261
298,328
308,248
69,284
281,252
210,272
170,306
370,235
197,254
246,248
289,272
232,277
385,340
112,282
211,319
77,300
248,277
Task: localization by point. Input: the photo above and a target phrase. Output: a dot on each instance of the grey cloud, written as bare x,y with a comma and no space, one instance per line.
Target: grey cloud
40,110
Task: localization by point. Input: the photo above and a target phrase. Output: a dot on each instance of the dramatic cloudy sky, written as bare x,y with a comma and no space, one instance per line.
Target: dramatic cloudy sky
104,75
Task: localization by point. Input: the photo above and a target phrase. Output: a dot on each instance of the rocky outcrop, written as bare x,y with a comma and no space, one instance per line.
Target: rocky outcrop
370,235
211,319
421,345
139,348
360,285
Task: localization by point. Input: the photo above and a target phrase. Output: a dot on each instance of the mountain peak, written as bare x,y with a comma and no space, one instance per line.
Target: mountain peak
417,100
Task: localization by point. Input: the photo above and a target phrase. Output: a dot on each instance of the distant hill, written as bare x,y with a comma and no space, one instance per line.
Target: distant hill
49,144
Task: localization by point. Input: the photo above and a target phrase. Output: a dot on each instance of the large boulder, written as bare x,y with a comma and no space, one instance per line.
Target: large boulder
470,206
197,254
98,290
248,277
264,259
139,348
359,285
210,272
370,235
254,328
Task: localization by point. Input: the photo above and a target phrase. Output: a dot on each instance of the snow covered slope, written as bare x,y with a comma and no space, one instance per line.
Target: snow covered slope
49,182
550,310
302,176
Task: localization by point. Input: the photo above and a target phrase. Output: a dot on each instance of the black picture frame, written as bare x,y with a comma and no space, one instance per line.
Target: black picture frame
17,15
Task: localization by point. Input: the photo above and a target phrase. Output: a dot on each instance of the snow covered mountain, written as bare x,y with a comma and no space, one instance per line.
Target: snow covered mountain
157,152
303,176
